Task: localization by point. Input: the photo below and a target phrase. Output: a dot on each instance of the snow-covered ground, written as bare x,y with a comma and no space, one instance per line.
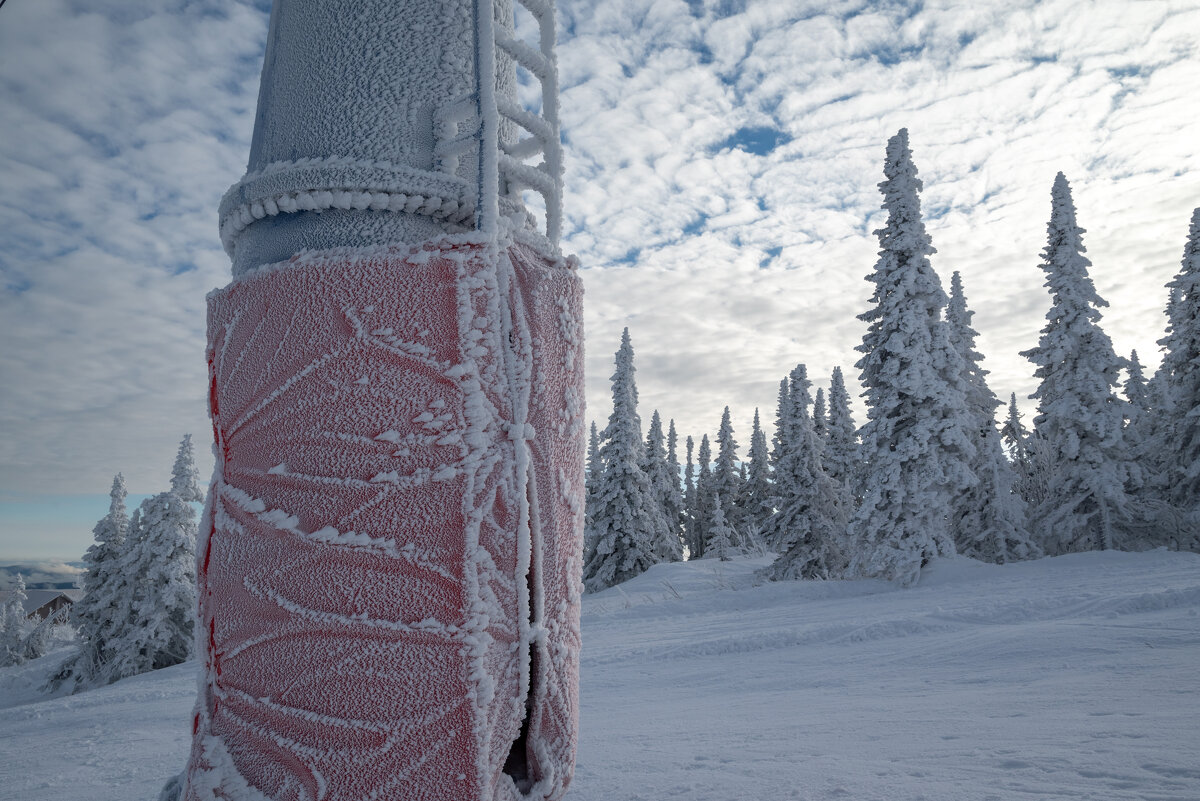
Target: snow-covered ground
1067,678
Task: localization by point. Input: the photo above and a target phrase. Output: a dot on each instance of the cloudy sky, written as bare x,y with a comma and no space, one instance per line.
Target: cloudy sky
722,162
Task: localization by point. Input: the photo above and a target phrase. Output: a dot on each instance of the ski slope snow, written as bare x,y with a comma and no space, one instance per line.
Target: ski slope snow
1065,678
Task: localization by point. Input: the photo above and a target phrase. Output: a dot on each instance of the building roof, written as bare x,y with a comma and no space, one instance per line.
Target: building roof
36,599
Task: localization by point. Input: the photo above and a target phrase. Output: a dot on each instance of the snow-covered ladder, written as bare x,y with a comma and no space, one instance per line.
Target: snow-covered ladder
503,171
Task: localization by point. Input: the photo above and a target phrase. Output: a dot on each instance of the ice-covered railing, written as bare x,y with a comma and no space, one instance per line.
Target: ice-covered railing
503,169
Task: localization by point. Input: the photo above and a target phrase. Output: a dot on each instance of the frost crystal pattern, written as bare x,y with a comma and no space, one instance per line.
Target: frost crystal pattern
390,557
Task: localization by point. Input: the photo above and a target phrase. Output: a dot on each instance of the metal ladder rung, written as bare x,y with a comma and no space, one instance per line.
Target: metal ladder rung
526,175
533,60
527,147
536,125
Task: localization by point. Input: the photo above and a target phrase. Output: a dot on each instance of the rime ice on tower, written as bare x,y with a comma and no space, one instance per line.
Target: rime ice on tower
389,564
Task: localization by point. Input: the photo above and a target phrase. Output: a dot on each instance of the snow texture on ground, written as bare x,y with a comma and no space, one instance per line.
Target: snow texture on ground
1065,678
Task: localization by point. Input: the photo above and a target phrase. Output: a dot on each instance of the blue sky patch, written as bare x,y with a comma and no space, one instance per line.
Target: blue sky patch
757,140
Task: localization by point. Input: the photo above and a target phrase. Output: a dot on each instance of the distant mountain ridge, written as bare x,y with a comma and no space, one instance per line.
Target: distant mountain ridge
48,575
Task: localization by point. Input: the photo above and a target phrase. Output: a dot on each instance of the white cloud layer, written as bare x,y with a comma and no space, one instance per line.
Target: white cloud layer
125,120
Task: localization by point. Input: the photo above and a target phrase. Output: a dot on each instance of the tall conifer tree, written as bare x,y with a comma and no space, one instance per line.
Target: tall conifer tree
917,453
103,609
841,450
809,526
702,511
595,468
1014,434
674,502
690,501
159,563
726,481
628,521
782,411
820,424
720,538
662,486
758,493
1181,376
988,520
1080,419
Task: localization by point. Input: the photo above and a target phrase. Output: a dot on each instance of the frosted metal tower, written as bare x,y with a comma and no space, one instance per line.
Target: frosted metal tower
390,554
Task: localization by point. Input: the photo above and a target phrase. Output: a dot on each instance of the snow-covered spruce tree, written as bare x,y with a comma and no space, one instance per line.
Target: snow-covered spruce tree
782,407
1014,435
757,500
1181,375
841,448
160,566
720,533
690,524
1080,419
1140,439
1137,391
808,528
103,610
726,481
673,505
702,509
1153,446
628,521
820,425
595,467
185,478
662,482
917,452
988,521
14,627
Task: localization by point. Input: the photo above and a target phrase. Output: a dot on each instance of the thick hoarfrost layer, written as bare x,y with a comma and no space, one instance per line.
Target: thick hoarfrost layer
389,567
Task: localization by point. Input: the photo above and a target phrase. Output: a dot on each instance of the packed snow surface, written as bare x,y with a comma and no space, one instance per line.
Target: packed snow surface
1064,678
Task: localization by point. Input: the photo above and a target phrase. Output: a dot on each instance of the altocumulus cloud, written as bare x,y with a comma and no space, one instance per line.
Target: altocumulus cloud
722,159
124,121
724,156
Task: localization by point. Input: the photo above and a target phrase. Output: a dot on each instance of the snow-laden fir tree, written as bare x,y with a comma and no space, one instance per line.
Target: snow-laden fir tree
757,500
1140,439
1152,450
14,627
1181,376
720,533
808,528
673,505
841,442
1028,455
595,468
782,407
726,481
1080,419
820,425
185,478
1137,391
917,452
628,521
988,521
662,484
690,525
702,509
1014,434
160,567
103,610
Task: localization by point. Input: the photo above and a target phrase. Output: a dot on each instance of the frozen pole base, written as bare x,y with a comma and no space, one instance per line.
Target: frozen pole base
390,557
